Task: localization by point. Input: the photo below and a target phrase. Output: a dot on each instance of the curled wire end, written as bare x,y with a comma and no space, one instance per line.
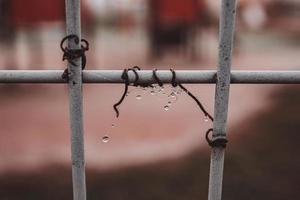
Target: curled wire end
136,67
209,141
72,36
116,110
86,45
218,142
125,77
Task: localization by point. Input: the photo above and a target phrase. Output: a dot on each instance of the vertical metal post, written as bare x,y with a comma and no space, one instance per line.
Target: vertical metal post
227,21
75,97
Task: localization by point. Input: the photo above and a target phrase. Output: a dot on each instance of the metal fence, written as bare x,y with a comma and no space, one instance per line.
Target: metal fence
223,77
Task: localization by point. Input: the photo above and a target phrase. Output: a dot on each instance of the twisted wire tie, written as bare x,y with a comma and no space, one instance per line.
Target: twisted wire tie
71,54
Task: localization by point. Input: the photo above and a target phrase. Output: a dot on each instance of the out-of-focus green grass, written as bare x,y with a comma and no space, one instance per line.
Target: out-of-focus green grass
261,163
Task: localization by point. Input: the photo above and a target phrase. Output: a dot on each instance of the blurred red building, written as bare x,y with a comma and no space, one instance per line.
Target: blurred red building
173,22
31,12
168,12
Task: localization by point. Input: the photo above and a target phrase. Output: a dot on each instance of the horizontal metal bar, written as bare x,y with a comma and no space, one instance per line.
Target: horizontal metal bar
145,76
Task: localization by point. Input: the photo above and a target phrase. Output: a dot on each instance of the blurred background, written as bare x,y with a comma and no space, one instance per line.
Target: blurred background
149,152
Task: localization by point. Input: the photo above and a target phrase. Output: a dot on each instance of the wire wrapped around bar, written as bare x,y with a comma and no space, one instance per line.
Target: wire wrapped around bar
218,142
174,83
72,54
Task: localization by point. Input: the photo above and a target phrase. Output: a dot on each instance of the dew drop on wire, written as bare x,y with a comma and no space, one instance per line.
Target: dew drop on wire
173,97
166,108
138,97
145,90
206,118
179,91
105,139
157,89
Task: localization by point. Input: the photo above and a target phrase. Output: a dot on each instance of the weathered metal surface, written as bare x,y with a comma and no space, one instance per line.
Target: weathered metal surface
75,98
183,76
227,21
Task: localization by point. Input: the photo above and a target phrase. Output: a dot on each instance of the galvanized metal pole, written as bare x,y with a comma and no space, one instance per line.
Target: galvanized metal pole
146,76
75,96
227,20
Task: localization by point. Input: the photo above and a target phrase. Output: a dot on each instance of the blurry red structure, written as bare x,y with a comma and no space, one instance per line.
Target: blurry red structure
173,22
27,16
31,12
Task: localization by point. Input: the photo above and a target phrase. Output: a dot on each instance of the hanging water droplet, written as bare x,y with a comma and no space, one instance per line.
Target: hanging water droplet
169,103
113,125
166,108
206,118
105,139
174,89
173,97
157,88
178,90
127,94
138,97
145,90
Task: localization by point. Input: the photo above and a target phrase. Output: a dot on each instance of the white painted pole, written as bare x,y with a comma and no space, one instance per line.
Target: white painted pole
227,21
75,97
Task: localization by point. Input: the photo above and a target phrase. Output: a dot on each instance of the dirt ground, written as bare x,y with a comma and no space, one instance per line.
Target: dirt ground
34,119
